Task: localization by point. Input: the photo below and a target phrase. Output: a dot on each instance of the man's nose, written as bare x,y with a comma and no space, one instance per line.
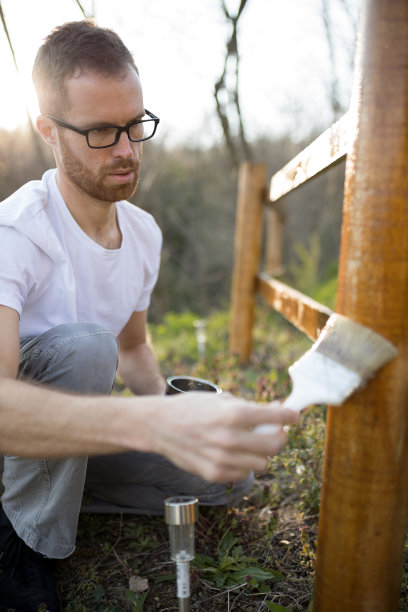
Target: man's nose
124,147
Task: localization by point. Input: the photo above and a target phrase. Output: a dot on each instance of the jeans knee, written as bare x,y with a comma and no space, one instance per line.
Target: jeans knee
91,357
78,357
91,343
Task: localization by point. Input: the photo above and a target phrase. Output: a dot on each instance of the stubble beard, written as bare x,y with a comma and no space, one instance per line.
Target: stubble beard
95,182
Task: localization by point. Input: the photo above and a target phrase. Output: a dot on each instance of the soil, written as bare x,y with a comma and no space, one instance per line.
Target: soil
113,550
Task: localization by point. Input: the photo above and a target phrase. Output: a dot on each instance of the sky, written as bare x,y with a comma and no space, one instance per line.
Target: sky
179,47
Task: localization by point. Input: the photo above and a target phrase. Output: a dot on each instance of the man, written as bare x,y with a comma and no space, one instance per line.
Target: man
78,265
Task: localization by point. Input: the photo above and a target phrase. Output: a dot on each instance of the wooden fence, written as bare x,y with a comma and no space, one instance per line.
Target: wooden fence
364,498
307,314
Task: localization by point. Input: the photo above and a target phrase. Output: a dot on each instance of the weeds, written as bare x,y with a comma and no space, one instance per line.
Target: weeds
232,568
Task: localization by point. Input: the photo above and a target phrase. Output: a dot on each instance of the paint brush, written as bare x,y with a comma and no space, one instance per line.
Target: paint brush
343,358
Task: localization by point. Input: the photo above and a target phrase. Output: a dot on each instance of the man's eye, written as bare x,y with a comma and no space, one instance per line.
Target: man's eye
103,131
102,137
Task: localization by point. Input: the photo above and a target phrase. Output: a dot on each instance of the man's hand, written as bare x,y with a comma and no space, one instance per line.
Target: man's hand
212,435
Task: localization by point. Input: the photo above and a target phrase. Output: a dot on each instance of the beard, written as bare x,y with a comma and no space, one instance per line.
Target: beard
96,182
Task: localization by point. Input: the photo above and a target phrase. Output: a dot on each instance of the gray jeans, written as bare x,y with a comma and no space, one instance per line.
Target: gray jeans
43,497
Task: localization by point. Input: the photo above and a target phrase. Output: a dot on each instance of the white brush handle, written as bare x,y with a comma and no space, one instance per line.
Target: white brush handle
268,429
303,394
294,402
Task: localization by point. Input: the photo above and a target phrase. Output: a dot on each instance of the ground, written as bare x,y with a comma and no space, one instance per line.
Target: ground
237,550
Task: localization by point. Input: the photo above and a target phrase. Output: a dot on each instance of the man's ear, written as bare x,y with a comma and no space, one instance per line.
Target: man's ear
47,129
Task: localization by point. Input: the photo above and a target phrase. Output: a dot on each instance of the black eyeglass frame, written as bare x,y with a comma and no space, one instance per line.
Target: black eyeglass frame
119,129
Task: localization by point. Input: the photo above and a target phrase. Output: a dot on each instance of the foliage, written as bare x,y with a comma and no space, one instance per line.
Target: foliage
174,340
305,273
136,600
231,567
265,378
302,461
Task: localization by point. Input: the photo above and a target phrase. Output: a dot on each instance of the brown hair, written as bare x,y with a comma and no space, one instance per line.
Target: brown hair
76,46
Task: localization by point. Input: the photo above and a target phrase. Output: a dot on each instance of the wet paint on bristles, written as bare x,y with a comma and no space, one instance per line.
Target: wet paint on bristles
354,346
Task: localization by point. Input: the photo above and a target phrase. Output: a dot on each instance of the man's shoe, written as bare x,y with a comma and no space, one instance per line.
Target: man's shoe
26,581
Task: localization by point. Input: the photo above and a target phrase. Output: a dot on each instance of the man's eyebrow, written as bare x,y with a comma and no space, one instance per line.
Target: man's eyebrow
107,124
138,117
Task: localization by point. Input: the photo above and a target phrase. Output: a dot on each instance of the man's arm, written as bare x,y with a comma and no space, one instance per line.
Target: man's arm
9,341
207,434
138,365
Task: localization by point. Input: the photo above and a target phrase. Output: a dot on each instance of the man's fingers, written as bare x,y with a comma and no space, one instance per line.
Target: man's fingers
251,414
231,471
246,448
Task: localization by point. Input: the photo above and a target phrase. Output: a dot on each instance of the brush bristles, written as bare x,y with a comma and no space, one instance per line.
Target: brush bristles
354,346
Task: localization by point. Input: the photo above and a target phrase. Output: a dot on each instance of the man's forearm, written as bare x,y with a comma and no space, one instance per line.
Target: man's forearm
140,371
36,421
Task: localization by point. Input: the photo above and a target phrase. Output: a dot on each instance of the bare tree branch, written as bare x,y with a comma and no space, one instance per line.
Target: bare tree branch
334,84
231,96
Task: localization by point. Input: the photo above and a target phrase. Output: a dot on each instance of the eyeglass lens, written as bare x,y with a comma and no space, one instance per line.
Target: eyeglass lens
105,136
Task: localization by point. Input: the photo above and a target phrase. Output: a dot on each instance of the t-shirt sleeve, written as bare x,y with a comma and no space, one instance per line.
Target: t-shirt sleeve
19,260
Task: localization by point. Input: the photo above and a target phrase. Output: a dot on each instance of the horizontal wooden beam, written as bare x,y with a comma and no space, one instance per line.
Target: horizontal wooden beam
305,313
329,148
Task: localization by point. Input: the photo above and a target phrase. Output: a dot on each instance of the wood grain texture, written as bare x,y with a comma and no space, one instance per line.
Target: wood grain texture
248,233
329,148
364,495
305,313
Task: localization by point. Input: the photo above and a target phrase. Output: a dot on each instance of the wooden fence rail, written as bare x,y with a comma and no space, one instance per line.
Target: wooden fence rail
329,148
365,477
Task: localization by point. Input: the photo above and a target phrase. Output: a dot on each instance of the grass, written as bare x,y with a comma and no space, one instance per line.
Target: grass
256,557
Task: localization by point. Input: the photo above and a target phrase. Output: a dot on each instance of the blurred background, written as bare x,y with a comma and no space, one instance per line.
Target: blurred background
231,81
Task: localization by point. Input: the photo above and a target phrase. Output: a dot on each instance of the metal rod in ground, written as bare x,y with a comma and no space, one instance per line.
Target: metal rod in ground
183,585
184,604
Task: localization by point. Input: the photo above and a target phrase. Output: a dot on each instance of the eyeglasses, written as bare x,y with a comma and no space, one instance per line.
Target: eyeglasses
107,136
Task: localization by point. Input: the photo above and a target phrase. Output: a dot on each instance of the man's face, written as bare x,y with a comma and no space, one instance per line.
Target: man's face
109,174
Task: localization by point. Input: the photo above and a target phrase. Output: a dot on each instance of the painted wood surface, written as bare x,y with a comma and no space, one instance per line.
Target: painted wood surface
364,495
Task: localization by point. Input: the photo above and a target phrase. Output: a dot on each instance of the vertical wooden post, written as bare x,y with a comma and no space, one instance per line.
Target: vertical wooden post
248,233
365,477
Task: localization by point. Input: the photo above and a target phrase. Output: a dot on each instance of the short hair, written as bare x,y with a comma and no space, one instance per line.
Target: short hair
76,46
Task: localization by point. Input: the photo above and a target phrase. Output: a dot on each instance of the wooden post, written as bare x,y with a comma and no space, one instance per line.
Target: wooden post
248,233
365,477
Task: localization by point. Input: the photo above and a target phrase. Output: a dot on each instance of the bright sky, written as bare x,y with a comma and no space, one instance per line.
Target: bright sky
179,47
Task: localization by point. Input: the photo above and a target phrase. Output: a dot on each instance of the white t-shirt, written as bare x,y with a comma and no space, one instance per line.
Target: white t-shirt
51,272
